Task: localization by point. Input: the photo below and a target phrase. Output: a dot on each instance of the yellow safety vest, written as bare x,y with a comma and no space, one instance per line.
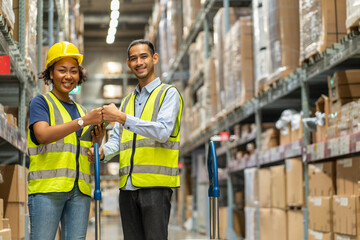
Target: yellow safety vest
54,166
149,163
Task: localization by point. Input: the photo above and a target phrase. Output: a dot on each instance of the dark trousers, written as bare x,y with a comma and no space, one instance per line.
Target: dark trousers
145,213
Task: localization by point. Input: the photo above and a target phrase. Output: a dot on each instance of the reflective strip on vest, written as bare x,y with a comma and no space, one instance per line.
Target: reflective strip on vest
58,147
151,169
62,172
146,142
157,103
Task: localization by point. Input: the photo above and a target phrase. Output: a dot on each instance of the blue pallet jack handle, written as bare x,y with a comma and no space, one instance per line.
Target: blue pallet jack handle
97,192
214,191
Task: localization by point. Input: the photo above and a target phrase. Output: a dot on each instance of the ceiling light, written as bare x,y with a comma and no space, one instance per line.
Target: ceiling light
115,5
110,39
112,31
114,23
115,14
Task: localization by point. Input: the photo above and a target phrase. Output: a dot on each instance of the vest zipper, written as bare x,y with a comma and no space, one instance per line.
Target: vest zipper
132,155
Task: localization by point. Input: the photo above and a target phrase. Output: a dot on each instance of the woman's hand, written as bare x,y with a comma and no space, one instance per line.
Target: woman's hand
98,133
94,117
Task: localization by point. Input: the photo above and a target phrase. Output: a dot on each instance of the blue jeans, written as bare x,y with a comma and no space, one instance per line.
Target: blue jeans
47,210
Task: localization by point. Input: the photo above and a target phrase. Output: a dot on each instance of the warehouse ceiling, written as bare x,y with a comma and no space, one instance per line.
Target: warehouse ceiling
134,15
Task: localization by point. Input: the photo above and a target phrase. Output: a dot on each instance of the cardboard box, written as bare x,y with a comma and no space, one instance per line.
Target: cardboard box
294,182
15,212
323,106
315,235
295,225
285,136
278,187
279,224
265,188
322,179
346,214
347,176
266,228
5,234
320,213
13,189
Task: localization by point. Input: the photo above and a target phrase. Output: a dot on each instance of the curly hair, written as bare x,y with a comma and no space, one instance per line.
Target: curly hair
45,75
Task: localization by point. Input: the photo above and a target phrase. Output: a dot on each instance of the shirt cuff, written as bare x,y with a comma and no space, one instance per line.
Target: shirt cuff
130,122
107,154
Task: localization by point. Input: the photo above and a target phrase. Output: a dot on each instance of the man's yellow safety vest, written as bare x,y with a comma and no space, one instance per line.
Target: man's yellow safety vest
55,166
149,163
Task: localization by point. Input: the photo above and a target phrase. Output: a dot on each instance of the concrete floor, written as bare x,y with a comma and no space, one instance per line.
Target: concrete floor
111,230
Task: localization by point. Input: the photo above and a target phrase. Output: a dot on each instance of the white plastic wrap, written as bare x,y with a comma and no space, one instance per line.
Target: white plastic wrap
286,117
250,223
191,9
352,13
251,195
164,53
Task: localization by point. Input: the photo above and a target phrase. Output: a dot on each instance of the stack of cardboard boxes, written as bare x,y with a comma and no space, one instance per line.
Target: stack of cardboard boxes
13,190
346,208
334,200
281,198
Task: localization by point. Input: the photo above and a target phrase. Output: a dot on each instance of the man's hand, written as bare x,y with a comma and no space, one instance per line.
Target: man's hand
112,114
91,154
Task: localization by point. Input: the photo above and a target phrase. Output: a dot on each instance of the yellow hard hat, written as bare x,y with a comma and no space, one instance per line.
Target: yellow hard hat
61,50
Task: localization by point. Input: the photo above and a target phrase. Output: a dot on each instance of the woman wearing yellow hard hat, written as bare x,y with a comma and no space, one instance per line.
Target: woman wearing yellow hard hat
59,173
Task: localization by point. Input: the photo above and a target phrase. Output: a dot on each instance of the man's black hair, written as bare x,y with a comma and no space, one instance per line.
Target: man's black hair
142,41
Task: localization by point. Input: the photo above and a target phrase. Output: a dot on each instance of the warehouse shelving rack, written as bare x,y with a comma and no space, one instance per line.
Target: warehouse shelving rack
20,86
299,91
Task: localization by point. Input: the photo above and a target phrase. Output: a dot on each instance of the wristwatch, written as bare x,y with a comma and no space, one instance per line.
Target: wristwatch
80,122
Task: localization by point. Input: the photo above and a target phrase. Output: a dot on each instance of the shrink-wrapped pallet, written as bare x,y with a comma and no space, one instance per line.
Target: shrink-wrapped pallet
219,48
283,26
322,23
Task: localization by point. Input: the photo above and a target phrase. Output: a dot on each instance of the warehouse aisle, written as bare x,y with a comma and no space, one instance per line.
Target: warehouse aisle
111,230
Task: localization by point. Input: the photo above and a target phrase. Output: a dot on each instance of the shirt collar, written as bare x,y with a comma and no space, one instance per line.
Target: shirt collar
149,87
